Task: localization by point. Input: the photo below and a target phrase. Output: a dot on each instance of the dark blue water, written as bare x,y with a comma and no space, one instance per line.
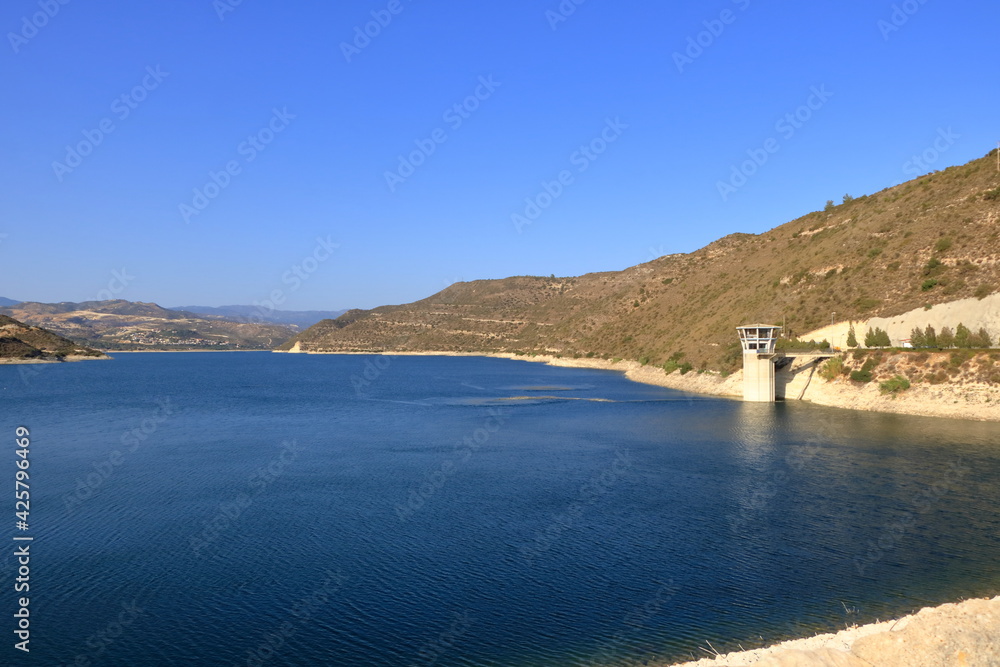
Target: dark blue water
265,509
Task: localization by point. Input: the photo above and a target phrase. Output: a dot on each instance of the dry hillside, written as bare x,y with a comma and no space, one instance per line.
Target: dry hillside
928,241
127,325
21,342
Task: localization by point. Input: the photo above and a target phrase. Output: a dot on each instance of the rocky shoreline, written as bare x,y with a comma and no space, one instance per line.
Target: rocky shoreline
963,634
53,360
977,401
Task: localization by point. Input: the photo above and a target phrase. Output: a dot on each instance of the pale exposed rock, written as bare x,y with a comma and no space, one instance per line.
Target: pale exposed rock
965,634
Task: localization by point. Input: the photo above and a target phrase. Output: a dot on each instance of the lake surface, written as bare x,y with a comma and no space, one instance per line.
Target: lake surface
271,509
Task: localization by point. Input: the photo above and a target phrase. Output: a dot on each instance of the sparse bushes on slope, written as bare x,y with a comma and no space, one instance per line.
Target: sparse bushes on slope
832,369
865,373
895,385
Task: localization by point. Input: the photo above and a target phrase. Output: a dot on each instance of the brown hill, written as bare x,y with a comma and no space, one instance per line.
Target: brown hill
931,240
127,325
23,342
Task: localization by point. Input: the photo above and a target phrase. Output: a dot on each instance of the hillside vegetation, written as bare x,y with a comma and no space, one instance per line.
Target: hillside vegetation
928,241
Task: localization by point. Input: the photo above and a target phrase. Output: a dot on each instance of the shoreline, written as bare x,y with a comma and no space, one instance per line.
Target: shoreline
970,403
955,633
69,358
109,352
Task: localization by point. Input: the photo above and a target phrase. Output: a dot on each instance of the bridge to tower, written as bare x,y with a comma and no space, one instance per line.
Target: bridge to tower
761,359
759,342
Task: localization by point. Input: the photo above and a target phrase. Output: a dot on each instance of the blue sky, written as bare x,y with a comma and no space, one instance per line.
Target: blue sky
253,156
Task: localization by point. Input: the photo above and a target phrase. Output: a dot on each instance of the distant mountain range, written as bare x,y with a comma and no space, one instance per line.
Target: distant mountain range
303,319
4,301
127,325
930,241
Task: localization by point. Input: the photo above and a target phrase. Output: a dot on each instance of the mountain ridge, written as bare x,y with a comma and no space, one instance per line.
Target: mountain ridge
126,325
930,240
302,319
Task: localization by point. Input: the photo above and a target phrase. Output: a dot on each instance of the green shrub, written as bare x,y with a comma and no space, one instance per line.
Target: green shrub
960,357
983,291
832,369
686,367
865,373
934,267
981,339
861,376
928,284
866,303
895,385
943,244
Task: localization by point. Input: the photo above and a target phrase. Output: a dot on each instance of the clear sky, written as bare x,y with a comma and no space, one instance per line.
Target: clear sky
209,149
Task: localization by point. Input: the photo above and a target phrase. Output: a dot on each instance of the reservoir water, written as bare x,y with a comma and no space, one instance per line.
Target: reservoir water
273,509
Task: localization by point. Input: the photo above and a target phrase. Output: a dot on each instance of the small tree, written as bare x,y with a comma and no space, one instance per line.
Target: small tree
984,337
870,338
882,338
829,205
852,338
917,338
848,199
946,338
963,336
930,337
